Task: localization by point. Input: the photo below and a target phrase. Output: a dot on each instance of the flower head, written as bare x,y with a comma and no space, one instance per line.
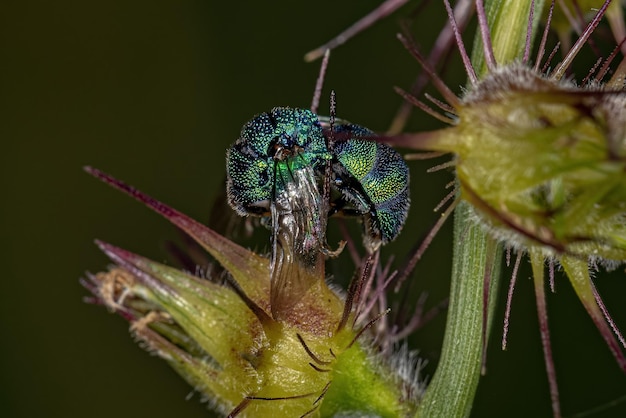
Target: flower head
541,161
225,340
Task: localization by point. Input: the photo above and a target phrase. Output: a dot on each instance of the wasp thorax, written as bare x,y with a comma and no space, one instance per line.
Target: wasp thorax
544,162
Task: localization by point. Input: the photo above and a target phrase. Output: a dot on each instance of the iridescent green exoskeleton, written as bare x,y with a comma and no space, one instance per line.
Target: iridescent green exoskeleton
373,180
278,167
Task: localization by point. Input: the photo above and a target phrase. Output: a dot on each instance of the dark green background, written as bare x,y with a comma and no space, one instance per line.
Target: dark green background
153,92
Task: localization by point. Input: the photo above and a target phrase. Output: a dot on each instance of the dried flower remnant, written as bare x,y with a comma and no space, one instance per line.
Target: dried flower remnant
542,162
222,338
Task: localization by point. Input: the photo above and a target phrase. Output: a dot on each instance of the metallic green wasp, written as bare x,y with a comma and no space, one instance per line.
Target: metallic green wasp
278,167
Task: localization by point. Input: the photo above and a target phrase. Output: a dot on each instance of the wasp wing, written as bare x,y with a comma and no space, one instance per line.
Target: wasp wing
298,237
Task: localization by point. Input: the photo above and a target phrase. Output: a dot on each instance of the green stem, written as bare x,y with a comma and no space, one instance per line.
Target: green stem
451,392
476,256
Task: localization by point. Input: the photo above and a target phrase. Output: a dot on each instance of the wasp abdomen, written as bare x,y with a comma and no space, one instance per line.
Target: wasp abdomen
383,178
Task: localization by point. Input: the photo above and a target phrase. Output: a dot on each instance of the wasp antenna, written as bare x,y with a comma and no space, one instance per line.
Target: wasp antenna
437,81
333,112
469,69
509,300
584,37
319,84
544,37
385,9
486,36
330,145
423,106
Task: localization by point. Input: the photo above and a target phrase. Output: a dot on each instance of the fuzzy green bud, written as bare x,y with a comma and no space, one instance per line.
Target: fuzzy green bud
223,339
543,162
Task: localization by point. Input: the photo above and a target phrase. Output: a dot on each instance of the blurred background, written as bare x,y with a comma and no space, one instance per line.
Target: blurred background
154,92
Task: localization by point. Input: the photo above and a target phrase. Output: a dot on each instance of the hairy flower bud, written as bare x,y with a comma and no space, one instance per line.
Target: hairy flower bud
224,340
543,162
